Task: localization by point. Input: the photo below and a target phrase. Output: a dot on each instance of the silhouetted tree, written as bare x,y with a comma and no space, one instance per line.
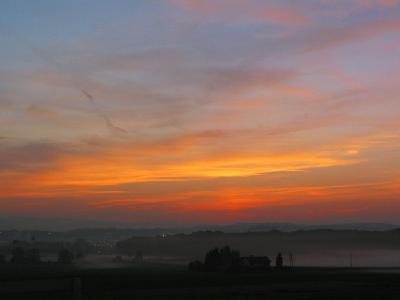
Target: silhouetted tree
196,266
226,259
32,256
18,255
79,255
65,257
229,257
279,260
139,257
117,259
226,255
213,260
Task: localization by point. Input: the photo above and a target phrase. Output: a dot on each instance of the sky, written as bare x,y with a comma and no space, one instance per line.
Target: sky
200,111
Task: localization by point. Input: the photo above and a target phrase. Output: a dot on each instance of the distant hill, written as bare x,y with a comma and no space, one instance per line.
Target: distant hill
25,228
287,227
65,224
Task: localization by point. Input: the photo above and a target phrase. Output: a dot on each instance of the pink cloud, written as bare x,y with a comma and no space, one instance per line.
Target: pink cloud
334,37
383,3
200,6
281,15
247,11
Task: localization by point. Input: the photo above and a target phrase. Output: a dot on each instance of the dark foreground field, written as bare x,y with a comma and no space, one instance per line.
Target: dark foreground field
158,282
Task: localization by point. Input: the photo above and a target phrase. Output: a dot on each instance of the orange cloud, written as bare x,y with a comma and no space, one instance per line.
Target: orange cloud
309,203
208,154
245,117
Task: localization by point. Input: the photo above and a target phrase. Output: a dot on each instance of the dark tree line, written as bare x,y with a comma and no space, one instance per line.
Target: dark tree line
217,259
226,259
24,252
20,255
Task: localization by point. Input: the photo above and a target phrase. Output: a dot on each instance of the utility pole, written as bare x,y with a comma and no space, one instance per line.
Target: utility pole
351,259
291,259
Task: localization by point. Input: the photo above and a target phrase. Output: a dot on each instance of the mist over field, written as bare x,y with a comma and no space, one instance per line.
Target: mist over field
336,245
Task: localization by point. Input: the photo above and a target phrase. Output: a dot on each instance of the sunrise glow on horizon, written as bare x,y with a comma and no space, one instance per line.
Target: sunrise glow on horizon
200,111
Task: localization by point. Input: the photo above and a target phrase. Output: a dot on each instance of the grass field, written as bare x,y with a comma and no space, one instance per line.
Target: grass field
167,282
